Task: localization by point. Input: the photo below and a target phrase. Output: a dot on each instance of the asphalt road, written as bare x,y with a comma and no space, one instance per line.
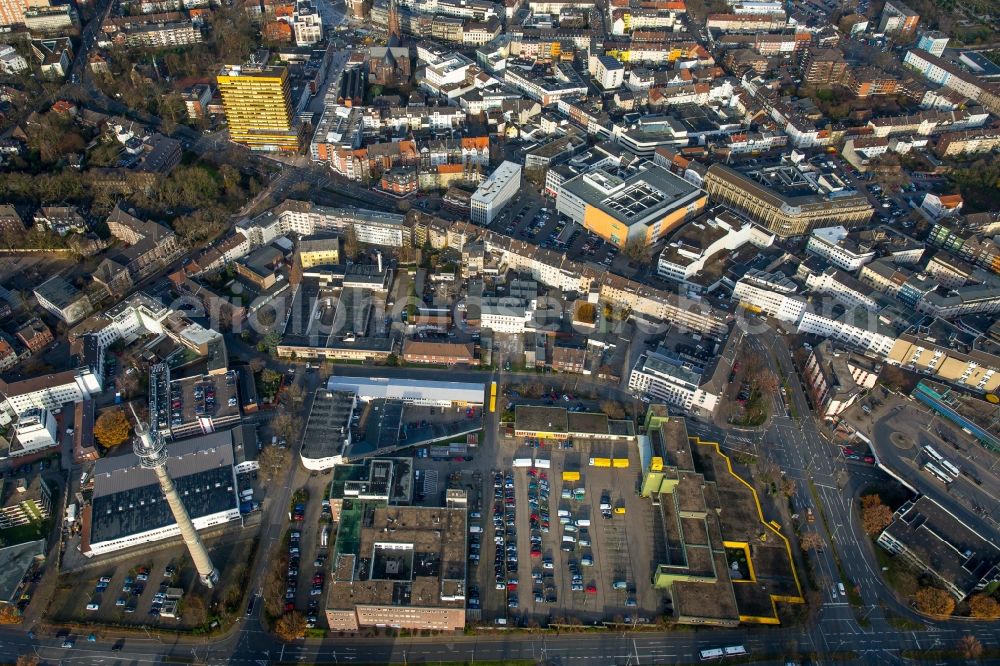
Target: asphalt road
972,504
796,444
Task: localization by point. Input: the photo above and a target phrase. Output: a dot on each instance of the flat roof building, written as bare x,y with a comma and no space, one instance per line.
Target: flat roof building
724,563
490,197
63,300
794,213
929,538
399,566
128,507
327,434
640,208
560,423
415,391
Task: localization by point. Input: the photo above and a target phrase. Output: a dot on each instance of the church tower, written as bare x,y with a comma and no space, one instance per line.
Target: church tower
395,31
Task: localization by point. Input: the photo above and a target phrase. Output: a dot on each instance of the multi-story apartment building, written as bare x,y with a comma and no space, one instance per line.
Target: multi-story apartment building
196,100
506,314
61,220
495,192
823,67
974,245
308,219
35,335
8,357
928,538
934,42
943,73
835,245
664,376
307,24
836,378
870,82
745,22
149,245
319,251
547,84
258,105
848,290
160,35
969,368
899,19
968,142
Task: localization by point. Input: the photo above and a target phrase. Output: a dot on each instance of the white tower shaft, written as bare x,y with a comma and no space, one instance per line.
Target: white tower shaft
149,448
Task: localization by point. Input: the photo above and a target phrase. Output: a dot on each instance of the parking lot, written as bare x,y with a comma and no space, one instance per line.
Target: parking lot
555,556
536,220
308,549
152,589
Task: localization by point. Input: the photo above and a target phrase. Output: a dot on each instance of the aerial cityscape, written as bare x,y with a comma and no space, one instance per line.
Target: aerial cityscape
688,311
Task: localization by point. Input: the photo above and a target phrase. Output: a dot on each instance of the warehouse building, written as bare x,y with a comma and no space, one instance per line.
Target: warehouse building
328,430
413,391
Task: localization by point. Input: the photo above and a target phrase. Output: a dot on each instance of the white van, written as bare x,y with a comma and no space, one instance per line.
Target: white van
475,529
563,513
583,522
568,538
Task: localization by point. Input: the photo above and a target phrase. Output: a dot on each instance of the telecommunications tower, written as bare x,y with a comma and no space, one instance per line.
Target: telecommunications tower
150,449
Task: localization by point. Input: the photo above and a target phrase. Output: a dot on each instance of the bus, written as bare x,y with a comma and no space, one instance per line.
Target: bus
493,397
936,471
711,654
937,457
950,468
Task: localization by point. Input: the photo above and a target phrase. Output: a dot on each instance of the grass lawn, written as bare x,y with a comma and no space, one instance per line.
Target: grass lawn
22,533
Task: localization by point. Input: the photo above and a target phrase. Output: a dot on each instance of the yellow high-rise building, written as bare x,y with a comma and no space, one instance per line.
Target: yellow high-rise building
258,105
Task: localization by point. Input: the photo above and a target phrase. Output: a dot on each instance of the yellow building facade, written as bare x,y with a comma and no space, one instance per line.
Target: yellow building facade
258,106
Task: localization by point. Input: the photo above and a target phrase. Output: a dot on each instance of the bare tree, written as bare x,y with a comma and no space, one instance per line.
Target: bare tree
788,487
286,426
811,541
613,409
272,459
970,647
